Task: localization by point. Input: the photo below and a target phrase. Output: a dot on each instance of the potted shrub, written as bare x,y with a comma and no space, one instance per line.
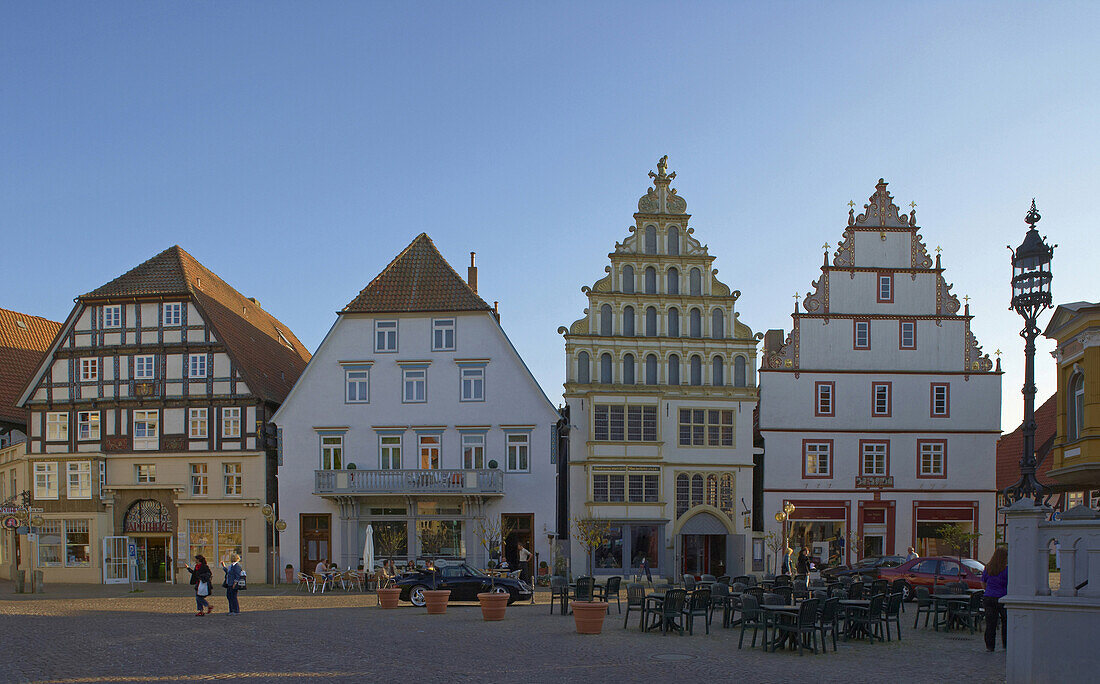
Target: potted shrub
435,600
588,616
388,597
544,568
491,532
288,572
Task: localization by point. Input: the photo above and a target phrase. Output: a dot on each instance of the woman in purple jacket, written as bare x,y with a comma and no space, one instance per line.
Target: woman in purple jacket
995,578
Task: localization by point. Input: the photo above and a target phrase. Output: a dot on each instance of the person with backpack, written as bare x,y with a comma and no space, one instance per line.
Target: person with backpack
200,579
234,581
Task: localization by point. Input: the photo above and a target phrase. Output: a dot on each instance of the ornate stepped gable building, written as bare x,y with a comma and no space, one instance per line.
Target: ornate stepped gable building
148,426
880,413
418,418
661,388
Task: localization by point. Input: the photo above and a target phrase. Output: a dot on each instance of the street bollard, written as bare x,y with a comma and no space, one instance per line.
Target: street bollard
19,581
40,581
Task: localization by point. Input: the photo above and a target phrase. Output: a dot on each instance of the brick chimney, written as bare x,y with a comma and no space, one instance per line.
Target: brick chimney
471,273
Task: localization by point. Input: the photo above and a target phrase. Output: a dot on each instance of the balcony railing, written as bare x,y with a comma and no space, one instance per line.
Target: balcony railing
352,482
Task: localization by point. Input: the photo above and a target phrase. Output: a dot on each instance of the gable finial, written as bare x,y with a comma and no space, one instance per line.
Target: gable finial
1033,215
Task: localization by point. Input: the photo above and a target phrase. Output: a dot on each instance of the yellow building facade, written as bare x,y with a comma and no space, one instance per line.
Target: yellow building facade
1076,454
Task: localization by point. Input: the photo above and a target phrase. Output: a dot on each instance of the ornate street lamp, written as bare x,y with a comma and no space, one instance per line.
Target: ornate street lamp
1031,278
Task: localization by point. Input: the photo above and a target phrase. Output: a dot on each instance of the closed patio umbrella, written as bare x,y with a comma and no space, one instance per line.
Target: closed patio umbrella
368,551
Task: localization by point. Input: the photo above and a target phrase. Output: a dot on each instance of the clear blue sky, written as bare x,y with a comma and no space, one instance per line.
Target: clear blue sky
295,148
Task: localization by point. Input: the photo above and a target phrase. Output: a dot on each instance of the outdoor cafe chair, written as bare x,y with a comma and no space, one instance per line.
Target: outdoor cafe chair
724,579
800,580
879,586
739,586
773,599
322,580
744,579
756,592
585,589
957,588
670,613
927,606
971,612
891,612
559,591
697,605
801,625
709,579
611,589
898,587
689,582
820,594
751,616
720,596
856,590
782,581
838,592
868,618
635,598
787,593
305,580
828,621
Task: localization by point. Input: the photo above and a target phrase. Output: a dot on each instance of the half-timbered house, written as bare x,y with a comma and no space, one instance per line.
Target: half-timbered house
148,426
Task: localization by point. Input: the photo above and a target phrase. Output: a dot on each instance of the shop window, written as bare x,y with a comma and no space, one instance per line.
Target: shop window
609,554
77,547
441,538
50,544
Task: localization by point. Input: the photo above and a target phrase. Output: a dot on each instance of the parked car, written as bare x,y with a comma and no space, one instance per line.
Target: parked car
866,568
464,582
932,572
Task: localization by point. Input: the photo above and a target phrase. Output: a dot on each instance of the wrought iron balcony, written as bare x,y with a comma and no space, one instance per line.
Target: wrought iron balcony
367,482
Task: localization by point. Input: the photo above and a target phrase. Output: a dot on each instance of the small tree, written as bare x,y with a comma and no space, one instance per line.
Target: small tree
776,545
391,540
592,533
956,539
491,534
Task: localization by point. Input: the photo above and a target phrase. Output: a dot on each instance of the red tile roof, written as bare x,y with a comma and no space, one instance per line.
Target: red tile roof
418,279
269,355
1011,446
23,341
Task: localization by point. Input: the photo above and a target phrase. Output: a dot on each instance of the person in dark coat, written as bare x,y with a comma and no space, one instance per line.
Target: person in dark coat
200,575
233,573
804,561
995,578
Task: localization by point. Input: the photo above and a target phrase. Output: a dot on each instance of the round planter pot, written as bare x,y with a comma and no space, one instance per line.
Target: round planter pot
289,574
589,615
387,598
435,600
493,605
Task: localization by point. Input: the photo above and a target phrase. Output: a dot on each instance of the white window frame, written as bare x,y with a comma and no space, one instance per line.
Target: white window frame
912,325
171,314
472,382
57,426
856,335
885,287
233,479
74,527
878,452
820,454
933,459
332,452
88,427
946,388
411,378
112,316
145,367
196,366
881,403
389,451
519,447
231,422
200,479
150,433
102,476
198,423
45,480
89,369
473,450
78,480
428,444
385,336
443,334
145,473
357,385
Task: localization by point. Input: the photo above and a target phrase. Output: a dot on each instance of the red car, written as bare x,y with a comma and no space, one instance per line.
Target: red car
934,572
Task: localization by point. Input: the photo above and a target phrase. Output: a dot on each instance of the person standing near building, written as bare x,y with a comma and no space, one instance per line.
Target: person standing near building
995,578
804,561
788,557
912,554
233,573
523,556
200,579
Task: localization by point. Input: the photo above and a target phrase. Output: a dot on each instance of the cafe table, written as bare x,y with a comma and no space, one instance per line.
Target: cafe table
950,601
851,630
772,614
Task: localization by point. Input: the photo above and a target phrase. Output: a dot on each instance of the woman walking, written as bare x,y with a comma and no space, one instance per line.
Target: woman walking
995,578
788,558
200,579
233,573
804,561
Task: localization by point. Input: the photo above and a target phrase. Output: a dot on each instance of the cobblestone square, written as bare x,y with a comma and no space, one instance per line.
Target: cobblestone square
104,634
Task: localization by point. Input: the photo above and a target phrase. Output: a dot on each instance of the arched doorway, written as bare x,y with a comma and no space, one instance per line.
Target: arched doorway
704,543
148,523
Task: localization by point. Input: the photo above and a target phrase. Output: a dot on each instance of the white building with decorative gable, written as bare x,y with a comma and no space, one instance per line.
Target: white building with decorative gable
880,413
416,416
660,387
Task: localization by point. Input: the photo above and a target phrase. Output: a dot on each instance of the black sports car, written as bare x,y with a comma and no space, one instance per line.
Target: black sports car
464,582
868,567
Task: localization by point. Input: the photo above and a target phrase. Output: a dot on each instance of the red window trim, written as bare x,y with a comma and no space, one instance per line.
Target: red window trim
805,475
874,441
932,441
832,399
889,399
855,324
878,287
932,400
918,504
889,510
900,337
